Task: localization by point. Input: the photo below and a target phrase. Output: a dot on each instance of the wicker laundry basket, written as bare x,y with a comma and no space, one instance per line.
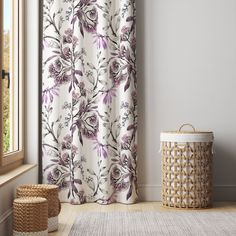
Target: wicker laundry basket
187,168
30,216
50,192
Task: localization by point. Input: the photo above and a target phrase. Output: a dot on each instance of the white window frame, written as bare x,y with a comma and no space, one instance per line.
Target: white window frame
14,159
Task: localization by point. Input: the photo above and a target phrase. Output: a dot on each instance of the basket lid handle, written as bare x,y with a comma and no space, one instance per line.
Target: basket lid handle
187,124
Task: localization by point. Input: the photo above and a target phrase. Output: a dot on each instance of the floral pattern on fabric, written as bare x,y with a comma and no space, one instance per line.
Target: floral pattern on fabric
89,110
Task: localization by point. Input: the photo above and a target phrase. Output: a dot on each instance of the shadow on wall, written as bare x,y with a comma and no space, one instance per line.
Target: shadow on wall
224,171
142,131
149,164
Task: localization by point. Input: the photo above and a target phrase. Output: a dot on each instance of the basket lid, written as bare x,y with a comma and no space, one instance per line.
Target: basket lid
187,136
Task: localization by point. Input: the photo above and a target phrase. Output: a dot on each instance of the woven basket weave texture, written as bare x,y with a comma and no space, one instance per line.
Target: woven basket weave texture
50,192
187,175
187,168
30,214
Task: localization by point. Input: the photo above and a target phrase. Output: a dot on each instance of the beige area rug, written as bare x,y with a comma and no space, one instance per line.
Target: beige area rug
155,223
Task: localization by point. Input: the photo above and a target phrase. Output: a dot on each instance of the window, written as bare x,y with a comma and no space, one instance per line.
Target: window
11,84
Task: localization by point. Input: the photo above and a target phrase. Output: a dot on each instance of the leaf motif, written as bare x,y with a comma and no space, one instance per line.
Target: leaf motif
129,192
48,166
59,132
127,84
79,72
52,153
54,160
130,127
112,153
102,181
91,66
76,81
81,138
68,195
49,59
74,188
130,18
78,181
91,172
91,185
73,20
101,72
64,169
81,29
70,88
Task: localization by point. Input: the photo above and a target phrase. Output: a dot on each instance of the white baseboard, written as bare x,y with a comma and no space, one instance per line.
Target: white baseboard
6,223
5,215
224,193
152,192
149,192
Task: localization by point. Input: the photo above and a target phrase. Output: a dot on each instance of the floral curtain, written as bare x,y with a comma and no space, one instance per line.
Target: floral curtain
89,111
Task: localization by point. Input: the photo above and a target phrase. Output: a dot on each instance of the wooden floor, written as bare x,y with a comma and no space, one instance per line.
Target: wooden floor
69,212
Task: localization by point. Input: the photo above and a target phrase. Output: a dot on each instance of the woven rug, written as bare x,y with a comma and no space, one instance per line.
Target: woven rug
154,224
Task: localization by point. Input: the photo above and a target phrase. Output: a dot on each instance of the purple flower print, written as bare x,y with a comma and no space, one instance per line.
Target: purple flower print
65,158
125,33
50,178
67,141
75,97
87,123
69,38
90,125
87,16
56,71
119,178
49,93
100,40
102,150
67,53
126,140
89,112
115,70
74,150
90,22
108,95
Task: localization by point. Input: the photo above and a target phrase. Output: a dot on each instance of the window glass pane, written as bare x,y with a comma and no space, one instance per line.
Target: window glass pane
10,78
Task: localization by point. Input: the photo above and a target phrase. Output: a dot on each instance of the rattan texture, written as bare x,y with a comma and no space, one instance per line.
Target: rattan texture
50,192
30,214
187,174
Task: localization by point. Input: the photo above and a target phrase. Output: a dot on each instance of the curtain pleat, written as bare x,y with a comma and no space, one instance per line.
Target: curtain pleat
89,110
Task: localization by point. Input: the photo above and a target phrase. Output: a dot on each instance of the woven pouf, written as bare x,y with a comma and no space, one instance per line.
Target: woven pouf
50,192
187,168
30,216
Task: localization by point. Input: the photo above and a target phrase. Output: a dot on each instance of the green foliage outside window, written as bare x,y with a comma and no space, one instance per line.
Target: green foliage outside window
6,110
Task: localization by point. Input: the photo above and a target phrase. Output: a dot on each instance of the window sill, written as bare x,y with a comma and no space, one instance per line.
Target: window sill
11,175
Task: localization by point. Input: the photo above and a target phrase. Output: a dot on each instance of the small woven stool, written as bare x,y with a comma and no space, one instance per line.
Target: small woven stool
48,191
30,216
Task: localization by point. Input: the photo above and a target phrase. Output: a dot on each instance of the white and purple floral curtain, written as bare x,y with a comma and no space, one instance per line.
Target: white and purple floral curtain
89,111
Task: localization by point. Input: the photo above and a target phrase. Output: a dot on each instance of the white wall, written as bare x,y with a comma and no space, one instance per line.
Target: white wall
187,73
7,191
7,194
32,84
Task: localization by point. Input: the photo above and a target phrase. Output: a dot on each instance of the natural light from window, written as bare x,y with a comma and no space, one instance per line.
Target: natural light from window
10,77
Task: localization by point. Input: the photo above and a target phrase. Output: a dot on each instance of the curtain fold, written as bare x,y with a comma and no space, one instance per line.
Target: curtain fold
89,110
